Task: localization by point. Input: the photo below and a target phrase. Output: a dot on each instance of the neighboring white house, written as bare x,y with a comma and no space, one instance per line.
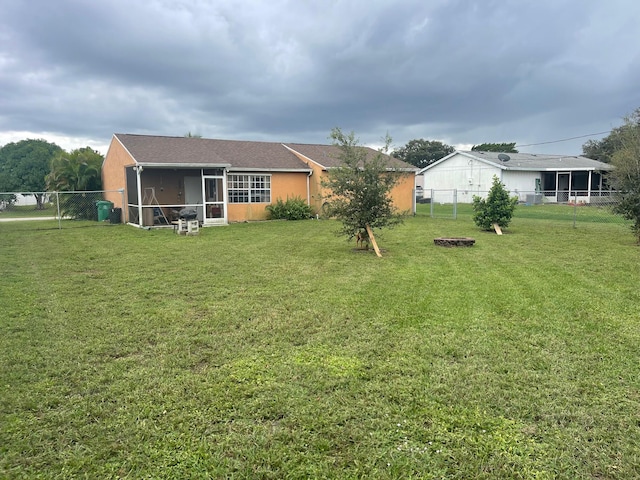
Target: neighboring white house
534,178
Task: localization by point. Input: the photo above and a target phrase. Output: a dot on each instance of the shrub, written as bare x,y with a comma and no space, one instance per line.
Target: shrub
293,209
497,208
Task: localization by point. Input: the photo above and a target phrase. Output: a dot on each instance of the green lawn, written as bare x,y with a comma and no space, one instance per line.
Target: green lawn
274,350
552,212
26,211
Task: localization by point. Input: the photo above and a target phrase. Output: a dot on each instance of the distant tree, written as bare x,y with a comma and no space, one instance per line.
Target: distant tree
360,188
421,153
496,147
24,166
625,177
497,208
78,170
604,149
192,135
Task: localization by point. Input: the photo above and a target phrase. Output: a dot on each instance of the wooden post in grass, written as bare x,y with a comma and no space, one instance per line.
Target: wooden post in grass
373,240
497,228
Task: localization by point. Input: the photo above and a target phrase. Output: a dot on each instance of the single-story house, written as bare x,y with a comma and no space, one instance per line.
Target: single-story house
223,180
534,178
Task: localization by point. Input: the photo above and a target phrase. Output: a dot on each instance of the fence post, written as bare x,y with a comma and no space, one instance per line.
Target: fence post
122,205
414,204
455,203
431,204
575,209
58,206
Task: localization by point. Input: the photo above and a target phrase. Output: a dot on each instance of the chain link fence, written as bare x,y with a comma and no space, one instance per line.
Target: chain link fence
63,209
577,207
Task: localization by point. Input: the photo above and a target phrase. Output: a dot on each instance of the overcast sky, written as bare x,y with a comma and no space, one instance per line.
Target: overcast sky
462,72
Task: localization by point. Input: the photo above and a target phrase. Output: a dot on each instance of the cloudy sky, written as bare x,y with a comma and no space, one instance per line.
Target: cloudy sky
462,72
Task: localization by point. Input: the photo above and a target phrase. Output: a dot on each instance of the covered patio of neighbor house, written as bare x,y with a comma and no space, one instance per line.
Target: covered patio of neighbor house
587,186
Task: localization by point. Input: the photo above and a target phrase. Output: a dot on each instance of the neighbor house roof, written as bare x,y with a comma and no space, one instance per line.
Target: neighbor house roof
238,155
529,161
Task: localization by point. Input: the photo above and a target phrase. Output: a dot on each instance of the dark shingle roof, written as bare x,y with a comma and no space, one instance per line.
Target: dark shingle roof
328,156
235,154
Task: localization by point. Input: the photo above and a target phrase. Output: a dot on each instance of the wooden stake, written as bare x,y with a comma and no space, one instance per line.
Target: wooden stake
497,228
373,240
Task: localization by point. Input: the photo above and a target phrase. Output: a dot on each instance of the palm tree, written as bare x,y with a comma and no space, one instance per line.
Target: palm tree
73,172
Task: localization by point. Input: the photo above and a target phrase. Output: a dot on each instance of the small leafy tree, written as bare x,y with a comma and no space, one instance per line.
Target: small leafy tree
359,190
497,208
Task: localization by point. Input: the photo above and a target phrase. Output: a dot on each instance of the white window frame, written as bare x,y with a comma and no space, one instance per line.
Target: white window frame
243,188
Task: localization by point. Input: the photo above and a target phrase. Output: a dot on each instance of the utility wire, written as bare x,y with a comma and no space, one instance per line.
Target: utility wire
564,139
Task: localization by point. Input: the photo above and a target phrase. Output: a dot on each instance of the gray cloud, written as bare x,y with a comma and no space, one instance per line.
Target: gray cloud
460,71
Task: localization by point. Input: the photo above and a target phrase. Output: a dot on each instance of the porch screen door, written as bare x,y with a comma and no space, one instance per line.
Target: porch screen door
214,205
563,187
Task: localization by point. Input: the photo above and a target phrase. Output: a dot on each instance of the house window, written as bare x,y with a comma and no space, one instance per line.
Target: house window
249,188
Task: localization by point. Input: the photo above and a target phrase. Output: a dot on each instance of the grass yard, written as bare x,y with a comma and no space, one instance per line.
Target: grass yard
273,350
27,211
552,212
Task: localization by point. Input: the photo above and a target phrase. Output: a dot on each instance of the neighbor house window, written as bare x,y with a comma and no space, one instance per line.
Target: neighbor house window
249,188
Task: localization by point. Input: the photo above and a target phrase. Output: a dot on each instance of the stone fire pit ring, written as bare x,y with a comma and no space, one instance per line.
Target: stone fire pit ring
454,241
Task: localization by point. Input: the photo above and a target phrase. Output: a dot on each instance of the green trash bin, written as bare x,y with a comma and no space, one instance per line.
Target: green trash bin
104,208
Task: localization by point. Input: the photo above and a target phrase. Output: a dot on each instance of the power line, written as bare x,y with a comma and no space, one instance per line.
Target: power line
564,139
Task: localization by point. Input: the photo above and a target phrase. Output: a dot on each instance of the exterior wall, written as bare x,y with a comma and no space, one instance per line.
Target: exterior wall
113,175
520,183
317,193
402,193
288,185
315,182
283,186
470,177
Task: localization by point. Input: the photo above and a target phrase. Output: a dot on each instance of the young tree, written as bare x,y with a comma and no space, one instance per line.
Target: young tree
495,147
421,153
24,166
359,190
625,177
497,208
